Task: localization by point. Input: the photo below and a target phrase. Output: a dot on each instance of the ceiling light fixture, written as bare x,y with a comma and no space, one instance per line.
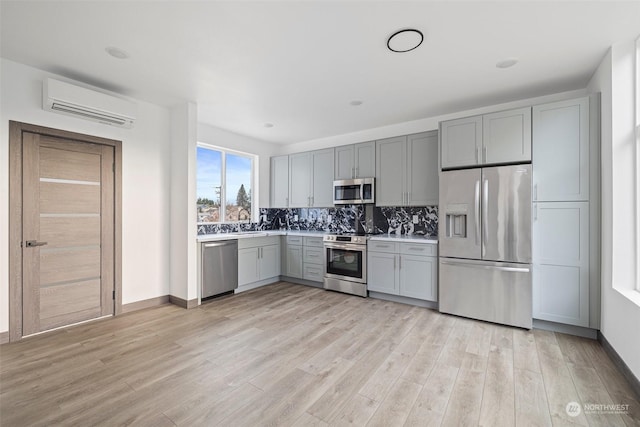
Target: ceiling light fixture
405,40
268,125
506,63
355,103
116,52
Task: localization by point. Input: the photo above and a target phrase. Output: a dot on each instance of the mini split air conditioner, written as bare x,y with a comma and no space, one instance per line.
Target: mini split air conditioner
65,98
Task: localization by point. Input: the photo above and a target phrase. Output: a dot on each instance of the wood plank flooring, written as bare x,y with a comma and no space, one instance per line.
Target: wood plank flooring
298,356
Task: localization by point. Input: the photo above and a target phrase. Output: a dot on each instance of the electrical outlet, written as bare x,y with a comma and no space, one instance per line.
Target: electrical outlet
415,219
295,217
329,218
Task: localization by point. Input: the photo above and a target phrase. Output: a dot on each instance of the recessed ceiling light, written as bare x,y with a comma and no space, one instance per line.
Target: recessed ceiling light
405,40
355,103
268,125
506,63
117,52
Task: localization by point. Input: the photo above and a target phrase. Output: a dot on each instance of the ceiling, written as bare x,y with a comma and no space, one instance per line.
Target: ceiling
298,65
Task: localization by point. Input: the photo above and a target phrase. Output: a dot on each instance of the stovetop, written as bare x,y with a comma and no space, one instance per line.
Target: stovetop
358,238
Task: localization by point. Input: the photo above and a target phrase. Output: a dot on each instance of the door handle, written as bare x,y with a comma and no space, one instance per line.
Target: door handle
34,243
478,155
488,267
477,206
484,157
485,214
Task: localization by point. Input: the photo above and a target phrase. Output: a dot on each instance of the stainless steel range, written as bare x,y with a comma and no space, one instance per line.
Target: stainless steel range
345,263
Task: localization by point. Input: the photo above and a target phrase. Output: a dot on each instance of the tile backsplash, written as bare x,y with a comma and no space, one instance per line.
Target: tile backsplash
348,218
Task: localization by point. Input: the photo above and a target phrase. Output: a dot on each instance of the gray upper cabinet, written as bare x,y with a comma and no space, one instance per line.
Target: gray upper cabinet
496,138
355,161
407,170
322,178
311,179
344,162
506,136
461,142
422,162
561,151
300,172
279,196
391,161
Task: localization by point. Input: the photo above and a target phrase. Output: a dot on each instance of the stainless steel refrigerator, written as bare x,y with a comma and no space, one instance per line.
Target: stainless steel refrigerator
485,244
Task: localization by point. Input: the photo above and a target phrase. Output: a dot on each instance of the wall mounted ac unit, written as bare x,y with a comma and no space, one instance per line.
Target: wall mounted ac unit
65,98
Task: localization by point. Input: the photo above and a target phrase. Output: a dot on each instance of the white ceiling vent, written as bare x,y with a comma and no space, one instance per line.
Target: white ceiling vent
65,98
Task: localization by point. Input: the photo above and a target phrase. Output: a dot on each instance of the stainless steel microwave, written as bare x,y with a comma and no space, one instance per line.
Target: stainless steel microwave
354,191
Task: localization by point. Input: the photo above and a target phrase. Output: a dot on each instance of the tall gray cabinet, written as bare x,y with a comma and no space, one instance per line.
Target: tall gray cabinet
565,258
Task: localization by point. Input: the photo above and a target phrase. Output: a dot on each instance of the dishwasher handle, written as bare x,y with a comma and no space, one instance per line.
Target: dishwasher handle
217,245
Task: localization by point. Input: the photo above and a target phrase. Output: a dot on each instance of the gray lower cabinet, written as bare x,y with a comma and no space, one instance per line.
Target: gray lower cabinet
561,262
405,269
258,259
313,259
293,259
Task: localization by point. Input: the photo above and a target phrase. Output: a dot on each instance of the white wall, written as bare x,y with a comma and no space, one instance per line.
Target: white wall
415,126
183,202
222,138
620,304
146,181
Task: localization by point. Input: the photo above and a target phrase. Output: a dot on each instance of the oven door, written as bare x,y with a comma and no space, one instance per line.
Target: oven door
346,262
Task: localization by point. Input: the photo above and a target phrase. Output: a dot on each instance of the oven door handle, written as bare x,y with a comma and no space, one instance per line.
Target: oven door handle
346,246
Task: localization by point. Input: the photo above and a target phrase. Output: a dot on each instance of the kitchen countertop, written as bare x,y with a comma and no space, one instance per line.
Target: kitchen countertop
412,238
313,233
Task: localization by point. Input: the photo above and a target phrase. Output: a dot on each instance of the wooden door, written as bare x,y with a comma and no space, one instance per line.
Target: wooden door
67,230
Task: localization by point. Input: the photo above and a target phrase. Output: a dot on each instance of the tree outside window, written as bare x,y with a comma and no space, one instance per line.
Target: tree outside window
224,183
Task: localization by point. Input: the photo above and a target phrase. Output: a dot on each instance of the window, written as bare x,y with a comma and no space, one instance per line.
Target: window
224,185
637,124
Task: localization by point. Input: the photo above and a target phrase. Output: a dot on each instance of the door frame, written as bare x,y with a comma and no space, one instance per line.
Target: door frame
16,129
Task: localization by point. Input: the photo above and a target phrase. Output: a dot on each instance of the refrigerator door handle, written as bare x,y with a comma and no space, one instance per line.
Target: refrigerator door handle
477,206
488,267
485,214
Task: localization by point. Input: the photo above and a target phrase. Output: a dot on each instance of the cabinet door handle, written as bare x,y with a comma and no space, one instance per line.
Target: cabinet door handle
356,174
353,172
399,263
478,155
484,158
535,191
535,211
394,262
287,202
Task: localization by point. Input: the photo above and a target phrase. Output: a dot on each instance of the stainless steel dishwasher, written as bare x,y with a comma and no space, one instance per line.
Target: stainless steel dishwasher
219,267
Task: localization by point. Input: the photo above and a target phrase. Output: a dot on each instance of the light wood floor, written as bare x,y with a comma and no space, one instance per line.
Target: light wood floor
293,355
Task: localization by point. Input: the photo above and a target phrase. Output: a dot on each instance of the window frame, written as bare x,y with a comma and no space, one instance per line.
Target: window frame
637,157
223,183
